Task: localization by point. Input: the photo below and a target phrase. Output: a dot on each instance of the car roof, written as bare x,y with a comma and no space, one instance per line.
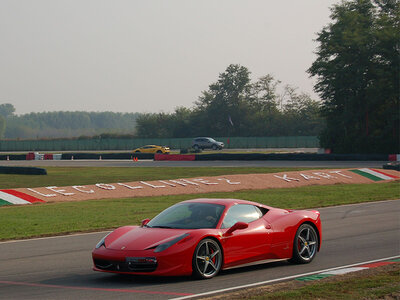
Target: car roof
226,202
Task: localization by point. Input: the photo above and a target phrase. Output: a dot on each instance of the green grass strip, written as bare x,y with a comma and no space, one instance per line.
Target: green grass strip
367,175
25,221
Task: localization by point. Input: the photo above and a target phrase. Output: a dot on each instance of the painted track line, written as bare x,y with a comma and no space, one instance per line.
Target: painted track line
91,288
281,279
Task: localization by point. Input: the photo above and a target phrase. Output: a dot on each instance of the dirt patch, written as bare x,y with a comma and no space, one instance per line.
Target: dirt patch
226,183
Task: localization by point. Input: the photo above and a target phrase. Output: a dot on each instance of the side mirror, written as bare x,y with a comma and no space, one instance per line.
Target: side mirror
145,221
236,226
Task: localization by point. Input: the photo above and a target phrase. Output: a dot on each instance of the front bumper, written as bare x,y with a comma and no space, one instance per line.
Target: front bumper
143,262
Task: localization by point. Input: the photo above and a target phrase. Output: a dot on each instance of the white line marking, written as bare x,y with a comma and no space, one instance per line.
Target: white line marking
344,271
282,279
53,237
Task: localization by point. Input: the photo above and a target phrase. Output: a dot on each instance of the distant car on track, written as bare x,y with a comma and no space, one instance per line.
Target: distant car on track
203,236
206,143
152,149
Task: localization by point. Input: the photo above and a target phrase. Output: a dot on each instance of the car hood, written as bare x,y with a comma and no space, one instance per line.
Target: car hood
142,238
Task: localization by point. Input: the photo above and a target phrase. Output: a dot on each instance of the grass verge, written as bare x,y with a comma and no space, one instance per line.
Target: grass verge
376,283
67,176
66,217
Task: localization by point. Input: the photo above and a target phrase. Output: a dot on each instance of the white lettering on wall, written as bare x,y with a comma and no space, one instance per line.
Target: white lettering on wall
80,188
324,175
130,187
307,177
59,191
41,194
179,182
340,173
190,182
286,178
152,185
228,181
105,186
167,183
204,181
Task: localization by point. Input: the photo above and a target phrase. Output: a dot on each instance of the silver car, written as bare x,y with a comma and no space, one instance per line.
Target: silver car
206,143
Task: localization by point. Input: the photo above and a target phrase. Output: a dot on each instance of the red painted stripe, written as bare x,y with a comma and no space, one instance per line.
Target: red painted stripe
24,196
378,264
392,176
92,289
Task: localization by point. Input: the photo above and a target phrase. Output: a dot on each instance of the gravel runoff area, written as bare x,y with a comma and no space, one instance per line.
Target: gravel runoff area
210,184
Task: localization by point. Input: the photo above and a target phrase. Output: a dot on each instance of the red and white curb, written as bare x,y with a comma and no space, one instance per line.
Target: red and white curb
8,197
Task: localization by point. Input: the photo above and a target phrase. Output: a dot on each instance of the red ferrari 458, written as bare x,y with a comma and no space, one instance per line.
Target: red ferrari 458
203,236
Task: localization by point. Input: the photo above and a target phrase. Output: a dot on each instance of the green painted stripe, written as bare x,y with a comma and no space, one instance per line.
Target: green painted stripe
4,202
314,277
395,260
367,175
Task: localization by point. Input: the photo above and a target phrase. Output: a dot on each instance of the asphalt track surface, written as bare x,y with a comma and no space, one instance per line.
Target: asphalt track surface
166,164
60,267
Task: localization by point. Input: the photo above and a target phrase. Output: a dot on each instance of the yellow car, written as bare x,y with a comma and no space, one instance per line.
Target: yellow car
152,149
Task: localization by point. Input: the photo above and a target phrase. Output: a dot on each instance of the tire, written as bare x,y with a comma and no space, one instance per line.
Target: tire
207,259
214,147
305,244
137,151
159,151
196,147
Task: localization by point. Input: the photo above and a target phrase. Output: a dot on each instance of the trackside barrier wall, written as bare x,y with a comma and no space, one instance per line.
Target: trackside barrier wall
181,143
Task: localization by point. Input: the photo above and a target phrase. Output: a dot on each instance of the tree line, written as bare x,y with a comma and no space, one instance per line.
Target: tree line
236,106
64,124
357,71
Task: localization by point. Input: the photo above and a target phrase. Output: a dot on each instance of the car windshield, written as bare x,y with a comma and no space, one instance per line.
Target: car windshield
191,215
211,140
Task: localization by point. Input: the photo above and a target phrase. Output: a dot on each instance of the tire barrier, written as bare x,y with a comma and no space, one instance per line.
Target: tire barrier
394,165
23,170
294,156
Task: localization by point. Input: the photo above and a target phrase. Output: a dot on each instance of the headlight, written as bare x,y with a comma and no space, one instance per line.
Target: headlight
102,242
166,245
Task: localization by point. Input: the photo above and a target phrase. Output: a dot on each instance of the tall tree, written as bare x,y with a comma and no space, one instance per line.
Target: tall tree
7,110
357,69
223,103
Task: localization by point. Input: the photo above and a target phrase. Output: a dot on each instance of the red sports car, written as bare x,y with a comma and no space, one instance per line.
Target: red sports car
203,236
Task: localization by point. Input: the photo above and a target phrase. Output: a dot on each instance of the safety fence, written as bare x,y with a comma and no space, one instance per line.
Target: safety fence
174,143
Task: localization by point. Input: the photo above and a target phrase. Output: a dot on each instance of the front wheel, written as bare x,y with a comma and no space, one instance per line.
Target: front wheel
305,244
207,259
214,147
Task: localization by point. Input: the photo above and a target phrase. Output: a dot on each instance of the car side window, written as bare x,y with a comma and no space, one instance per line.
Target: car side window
241,213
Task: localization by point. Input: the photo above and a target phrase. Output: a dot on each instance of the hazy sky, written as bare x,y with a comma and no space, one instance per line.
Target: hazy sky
148,55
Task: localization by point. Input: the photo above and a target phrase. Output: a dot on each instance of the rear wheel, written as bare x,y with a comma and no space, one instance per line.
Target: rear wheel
207,259
196,147
305,244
